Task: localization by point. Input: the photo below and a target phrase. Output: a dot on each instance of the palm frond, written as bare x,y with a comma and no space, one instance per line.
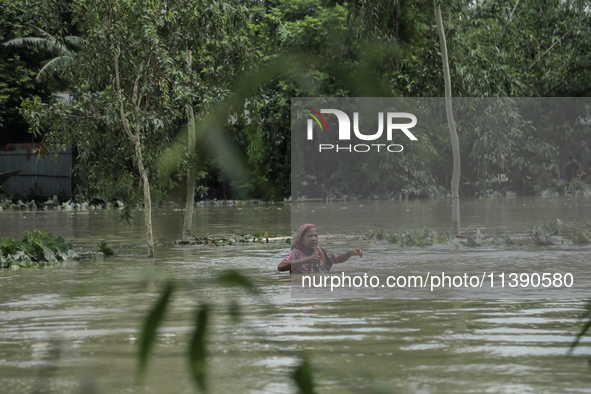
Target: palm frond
74,40
51,46
42,32
55,65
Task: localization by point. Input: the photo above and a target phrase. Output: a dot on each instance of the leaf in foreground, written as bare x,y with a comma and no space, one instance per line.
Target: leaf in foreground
232,278
198,350
148,333
303,377
578,338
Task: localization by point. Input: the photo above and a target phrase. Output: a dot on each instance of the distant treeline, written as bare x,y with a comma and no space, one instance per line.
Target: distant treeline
529,48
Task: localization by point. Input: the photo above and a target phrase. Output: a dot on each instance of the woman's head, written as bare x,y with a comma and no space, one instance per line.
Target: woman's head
307,237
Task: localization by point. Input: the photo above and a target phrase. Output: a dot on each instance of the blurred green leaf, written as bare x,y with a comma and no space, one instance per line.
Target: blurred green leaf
580,238
104,248
579,336
234,311
470,242
148,332
233,278
303,377
198,349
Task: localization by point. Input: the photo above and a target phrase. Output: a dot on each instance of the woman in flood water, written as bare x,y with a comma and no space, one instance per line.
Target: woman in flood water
306,256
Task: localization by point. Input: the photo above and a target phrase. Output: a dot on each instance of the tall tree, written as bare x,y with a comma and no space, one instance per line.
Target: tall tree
455,143
134,87
190,198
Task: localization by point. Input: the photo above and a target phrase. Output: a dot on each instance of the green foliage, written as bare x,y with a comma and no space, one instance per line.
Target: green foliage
151,324
36,247
235,279
8,246
378,232
197,355
214,241
102,247
446,237
303,377
580,238
18,68
542,234
52,202
63,55
237,238
470,242
306,48
586,316
418,237
579,336
198,350
500,240
256,238
149,45
490,47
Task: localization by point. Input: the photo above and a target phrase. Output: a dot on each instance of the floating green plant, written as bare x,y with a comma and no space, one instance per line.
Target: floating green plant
580,238
36,247
103,247
418,237
542,234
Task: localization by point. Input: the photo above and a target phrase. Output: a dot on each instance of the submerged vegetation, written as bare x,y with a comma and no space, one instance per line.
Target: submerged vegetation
103,247
541,235
257,238
35,250
77,202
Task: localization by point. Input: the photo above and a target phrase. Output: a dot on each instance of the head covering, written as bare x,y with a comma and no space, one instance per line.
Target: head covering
327,258
297,240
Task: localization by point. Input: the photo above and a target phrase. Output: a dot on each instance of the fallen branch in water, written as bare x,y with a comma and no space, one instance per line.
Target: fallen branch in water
231,240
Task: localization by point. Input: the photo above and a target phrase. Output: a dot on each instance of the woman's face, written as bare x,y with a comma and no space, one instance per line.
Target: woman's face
310,240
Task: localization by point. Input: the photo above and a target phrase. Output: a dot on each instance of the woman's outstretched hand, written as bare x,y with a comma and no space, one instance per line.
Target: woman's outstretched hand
355,252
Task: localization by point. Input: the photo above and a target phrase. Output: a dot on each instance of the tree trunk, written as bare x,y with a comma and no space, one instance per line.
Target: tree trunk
137,142
147,198
455,143
188,222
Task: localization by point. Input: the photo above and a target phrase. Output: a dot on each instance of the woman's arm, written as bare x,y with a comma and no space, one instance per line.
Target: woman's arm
346,256
287,264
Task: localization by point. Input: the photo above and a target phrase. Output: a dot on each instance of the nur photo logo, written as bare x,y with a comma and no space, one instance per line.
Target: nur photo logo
391,119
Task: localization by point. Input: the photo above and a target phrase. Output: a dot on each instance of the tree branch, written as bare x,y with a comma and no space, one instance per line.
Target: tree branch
134,98
141,117
547,50
514,8
118,87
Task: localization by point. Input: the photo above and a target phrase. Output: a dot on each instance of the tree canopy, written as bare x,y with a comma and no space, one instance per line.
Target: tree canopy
313,48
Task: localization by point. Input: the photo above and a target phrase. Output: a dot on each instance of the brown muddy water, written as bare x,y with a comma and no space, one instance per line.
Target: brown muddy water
74,328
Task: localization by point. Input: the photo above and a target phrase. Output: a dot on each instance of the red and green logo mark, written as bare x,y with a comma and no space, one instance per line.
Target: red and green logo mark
317,117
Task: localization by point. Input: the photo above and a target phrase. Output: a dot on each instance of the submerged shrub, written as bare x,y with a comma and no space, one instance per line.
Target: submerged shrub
103,247
580,238
418,237
36,247
542,234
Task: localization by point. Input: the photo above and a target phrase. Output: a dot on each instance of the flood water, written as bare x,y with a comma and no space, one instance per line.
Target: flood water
74,328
